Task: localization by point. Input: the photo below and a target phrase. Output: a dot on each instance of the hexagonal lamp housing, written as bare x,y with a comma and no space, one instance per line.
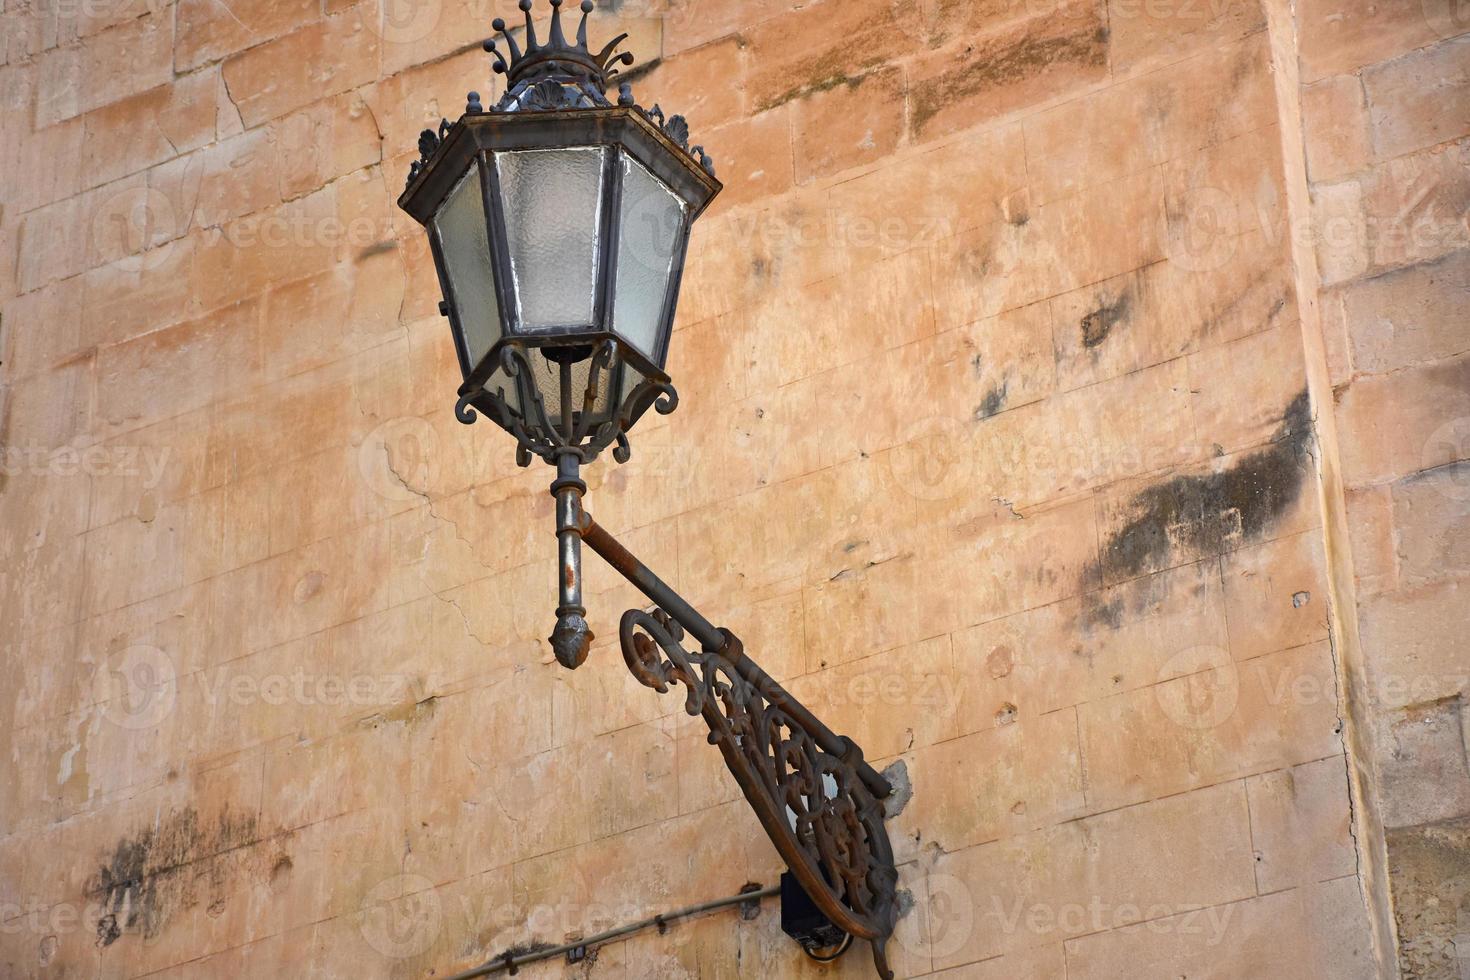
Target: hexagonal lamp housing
559,224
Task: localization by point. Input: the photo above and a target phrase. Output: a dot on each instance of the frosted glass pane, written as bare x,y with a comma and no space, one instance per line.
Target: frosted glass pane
553,218
465,245
505,388
652,219
547,377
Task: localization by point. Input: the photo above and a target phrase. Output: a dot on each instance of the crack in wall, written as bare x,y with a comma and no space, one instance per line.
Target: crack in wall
459,536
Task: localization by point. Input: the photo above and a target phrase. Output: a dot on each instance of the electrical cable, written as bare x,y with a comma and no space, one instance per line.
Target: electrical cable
511,962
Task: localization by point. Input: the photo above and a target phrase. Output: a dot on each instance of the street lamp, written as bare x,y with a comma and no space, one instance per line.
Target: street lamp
559,222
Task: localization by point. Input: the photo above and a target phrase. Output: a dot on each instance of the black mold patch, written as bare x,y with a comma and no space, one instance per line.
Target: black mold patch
992,68
993,402
163,869
1105,614
1203,513
1100,322
824,78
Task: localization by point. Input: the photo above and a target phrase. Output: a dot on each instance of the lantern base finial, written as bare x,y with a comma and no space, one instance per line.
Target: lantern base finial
571,640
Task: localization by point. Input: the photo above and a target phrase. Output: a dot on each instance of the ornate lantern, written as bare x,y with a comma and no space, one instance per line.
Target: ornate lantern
559,223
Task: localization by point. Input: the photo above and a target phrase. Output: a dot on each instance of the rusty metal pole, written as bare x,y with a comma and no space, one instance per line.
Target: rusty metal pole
572,637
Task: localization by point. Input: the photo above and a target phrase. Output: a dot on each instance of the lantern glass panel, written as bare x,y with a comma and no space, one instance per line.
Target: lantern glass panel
546,375
553,217
501,385
632,378
465,247
651,226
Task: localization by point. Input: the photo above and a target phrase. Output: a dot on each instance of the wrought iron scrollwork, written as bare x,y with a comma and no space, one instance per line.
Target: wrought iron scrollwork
429,143
802,781
532,426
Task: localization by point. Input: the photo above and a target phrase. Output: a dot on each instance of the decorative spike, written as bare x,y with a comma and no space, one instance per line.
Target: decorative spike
625,58
587,6
472,104
530,26
625,94
500,67
558,39
604,57
510,42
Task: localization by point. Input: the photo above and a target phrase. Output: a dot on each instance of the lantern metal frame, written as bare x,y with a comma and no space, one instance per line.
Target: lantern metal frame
555,104
820,803
468,146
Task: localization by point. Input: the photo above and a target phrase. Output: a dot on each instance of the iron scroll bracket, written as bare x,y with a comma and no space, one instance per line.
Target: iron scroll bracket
818,800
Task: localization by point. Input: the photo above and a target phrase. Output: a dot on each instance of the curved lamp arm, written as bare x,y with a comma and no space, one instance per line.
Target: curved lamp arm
819,802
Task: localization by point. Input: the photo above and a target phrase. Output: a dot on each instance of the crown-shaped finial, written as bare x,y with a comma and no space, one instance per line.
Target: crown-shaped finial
557,59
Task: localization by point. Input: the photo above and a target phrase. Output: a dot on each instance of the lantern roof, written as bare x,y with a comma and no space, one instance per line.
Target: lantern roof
556,57
558,76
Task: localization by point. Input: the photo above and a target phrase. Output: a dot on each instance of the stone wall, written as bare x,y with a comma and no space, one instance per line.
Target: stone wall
1385,103
1040,428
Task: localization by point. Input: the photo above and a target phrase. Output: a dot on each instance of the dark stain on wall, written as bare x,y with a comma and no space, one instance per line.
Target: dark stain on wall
997,67
1100,322
165,868
1108,615
993,402
813,86
1203,513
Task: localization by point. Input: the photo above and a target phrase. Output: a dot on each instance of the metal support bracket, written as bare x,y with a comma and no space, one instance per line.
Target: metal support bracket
819,802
